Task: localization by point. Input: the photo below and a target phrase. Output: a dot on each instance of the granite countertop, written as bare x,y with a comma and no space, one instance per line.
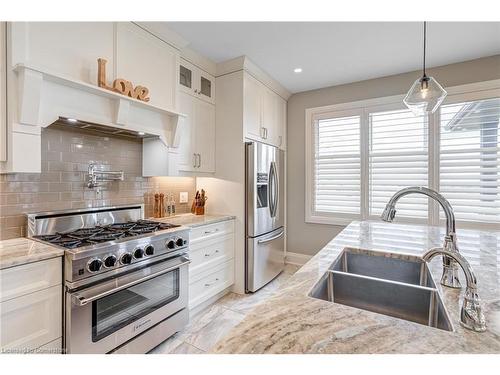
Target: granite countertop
22,250
192,221
292,322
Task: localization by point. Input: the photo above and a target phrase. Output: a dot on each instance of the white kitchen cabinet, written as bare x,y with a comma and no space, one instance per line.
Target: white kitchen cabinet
69,49
263,116
196,82
212,261
3,93
196,151
146,60
31,306
252,108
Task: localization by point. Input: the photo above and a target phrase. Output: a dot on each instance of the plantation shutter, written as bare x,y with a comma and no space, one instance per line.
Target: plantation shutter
398,158
469,159
337,166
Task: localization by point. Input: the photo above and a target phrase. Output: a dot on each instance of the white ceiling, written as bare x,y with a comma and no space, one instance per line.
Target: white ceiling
332,53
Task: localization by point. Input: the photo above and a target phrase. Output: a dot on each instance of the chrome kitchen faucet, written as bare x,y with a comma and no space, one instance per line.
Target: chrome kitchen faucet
450,267
471,314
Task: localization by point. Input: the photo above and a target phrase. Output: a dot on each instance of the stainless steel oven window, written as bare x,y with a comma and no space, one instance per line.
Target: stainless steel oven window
119,309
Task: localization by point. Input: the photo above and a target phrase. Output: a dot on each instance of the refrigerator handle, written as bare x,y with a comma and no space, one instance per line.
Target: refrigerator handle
273,189
260,242
276,186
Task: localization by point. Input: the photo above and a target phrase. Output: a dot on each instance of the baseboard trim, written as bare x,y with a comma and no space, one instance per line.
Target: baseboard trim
296,258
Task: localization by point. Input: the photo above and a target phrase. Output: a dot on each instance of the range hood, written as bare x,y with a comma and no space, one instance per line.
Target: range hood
44,98
99,129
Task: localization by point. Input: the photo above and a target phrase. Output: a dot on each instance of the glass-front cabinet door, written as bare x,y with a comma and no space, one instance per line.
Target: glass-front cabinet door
196,82
206,87
187,80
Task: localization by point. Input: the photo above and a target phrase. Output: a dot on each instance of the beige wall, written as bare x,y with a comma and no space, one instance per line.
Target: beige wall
61,185
309,238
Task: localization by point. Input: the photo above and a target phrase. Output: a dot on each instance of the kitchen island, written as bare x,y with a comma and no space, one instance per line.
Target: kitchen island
292,322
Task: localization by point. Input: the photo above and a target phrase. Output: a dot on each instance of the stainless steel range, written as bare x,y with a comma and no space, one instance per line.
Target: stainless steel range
126,278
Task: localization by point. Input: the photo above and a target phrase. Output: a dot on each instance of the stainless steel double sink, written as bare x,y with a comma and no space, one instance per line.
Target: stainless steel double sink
392,284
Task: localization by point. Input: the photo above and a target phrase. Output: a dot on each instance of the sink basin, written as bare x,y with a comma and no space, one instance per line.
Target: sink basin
396,285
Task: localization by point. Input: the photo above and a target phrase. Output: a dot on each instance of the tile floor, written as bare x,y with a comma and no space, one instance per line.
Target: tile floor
213,323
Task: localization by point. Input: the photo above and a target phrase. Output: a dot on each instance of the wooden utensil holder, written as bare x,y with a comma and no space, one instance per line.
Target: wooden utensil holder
199,210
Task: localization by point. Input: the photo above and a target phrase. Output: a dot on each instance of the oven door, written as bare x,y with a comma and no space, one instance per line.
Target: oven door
107,315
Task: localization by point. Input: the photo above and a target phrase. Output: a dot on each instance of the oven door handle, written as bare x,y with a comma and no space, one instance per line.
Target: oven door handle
80,300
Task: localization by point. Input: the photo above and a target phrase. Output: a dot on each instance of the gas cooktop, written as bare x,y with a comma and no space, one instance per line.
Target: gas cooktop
98,234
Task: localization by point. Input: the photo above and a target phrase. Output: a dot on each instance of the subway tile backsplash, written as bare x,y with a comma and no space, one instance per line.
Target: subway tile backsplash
62,184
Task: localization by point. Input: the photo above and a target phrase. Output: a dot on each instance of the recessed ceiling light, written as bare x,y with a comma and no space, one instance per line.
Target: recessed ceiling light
71,120
297,70
141,133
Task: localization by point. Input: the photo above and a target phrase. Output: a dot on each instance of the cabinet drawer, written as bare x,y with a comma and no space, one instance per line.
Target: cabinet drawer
28,278
211,231
206,285
32,320
211,252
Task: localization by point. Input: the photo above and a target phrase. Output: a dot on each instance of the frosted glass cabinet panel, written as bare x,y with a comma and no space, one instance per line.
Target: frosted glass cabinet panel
196,82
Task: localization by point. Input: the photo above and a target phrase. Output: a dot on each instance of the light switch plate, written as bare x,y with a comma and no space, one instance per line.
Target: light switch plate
183,197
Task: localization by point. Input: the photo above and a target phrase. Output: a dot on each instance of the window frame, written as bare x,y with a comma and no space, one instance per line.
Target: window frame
362,108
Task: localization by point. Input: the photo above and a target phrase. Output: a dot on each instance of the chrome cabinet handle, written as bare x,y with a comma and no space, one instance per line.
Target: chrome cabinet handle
80,300
209,255
194,160
260,242
212,283
199,160
211,231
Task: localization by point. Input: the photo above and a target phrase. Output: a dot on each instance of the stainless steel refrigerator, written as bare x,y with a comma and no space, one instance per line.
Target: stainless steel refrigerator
265,243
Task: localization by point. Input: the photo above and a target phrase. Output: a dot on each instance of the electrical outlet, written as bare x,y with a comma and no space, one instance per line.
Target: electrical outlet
183,197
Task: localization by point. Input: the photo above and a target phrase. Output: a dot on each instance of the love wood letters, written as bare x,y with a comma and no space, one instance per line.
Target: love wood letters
120,85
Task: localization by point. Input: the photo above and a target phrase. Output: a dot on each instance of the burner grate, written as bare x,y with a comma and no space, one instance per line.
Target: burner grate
94,235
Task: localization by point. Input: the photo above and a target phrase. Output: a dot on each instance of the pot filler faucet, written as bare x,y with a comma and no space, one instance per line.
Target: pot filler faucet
450,268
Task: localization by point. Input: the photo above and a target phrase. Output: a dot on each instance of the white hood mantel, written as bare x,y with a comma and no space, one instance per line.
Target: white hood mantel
43,97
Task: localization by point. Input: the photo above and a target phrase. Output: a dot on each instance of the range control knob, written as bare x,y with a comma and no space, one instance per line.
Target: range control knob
179,242
126,258
110,261
149,250
138,253
170,244
94,265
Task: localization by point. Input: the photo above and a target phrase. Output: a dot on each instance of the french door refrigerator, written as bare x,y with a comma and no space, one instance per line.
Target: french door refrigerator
265,243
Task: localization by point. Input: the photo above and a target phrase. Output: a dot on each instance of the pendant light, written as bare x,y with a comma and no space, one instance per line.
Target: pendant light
426,94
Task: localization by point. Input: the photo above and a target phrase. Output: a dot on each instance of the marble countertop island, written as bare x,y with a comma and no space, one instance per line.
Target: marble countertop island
292,322
22,250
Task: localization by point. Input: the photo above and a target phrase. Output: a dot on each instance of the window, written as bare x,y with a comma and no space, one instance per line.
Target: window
359,154
337,165
398,157
469,159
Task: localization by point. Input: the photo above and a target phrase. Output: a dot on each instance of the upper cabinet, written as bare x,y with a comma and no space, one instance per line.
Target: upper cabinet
264,113
196,151
147,61
196,82
69,49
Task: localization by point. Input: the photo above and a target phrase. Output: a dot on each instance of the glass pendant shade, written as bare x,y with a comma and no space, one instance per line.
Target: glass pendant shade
425,95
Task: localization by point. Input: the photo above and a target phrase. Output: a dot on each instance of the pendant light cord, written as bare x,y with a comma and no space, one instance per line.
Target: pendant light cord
425,42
